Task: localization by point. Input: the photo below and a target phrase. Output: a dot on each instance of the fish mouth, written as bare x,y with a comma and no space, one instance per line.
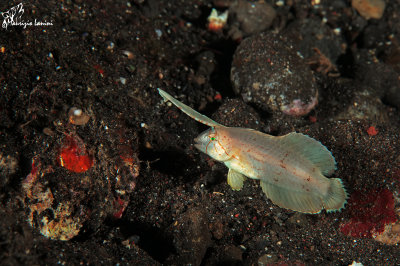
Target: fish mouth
197,143
198,146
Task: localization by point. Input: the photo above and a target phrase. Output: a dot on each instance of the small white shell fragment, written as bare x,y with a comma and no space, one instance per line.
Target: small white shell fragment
128,54
77,117
216,21
337,31
356,264
122,80
77,112
159,33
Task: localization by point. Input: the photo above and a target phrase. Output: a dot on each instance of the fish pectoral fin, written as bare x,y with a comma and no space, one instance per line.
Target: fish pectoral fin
235,179
306,202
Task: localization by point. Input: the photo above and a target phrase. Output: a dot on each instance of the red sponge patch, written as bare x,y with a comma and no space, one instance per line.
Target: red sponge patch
74,157
369,213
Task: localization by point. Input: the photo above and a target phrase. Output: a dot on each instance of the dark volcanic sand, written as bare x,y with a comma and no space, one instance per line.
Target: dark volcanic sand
178,209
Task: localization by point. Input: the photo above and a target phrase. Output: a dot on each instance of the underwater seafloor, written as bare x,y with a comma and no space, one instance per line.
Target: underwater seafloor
96,169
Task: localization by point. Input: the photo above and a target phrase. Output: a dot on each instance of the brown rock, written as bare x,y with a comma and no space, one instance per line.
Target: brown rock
369,8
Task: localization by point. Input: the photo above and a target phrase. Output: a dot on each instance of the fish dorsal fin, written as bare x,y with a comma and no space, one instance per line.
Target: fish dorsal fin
189,111
311,149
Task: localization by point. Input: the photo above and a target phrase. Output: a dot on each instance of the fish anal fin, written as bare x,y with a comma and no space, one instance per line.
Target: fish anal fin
235,179
292,200
311,149
307,202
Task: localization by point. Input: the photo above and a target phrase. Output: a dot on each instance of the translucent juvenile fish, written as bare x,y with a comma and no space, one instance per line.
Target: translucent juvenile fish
292,169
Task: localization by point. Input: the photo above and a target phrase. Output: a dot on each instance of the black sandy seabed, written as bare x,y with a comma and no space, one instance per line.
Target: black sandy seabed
127,185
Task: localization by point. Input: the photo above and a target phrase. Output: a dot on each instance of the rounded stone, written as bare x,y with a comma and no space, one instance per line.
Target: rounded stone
269,72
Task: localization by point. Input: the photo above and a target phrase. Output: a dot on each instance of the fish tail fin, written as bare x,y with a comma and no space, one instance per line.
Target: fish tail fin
336,196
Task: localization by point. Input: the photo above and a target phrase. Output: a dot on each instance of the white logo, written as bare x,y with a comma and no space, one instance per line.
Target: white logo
13,17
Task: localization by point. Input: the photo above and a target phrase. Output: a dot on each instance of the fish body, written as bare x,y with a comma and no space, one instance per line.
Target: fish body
292,169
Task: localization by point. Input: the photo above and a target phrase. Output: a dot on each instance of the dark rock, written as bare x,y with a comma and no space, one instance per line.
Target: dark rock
233,254
268,72
378,77
267,259
312,33
235,113
191,236
250,17
365,105
217,230
392,96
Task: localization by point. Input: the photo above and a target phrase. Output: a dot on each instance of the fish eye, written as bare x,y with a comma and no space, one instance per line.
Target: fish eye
212,138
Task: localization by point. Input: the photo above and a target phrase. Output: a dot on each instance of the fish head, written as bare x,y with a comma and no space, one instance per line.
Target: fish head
213,142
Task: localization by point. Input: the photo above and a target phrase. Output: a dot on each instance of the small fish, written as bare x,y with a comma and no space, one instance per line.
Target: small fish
292,169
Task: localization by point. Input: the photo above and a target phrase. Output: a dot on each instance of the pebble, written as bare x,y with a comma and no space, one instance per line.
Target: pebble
365,105
206,64
299,219
267,259
217,230
369,8
192,237
8,167
267,71
250,17
391,234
